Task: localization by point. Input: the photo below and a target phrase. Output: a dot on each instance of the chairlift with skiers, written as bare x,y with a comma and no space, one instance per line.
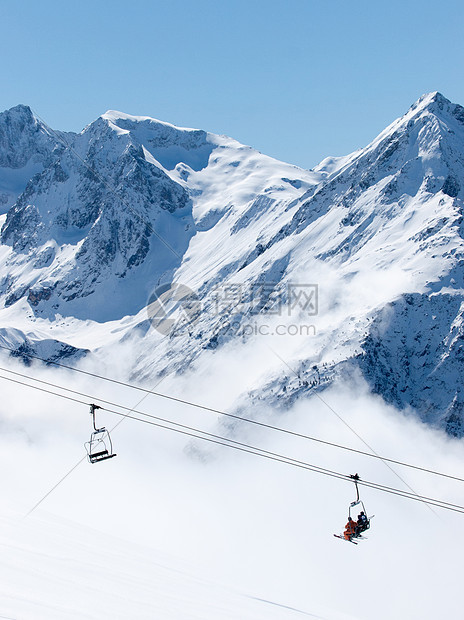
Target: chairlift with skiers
354,529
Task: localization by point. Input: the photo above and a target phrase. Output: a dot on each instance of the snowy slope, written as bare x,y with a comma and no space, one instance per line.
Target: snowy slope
52,569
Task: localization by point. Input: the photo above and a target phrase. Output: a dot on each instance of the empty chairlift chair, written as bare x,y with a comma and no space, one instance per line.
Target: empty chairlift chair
99,447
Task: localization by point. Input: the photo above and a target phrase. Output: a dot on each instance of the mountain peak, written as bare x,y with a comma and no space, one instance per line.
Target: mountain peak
20,109
22,137
430,98
18,115
116,117
167,143
437,104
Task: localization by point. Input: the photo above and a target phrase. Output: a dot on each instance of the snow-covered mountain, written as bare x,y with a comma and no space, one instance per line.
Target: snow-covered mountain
27,146
372,241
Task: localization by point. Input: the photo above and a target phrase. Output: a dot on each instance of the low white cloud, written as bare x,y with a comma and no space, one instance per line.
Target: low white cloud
265,528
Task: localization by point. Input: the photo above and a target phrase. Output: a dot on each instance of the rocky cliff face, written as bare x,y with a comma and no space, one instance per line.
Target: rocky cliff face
131,203
88,219
27,146
414,356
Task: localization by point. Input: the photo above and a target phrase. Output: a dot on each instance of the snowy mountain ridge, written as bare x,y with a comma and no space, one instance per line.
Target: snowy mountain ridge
130,203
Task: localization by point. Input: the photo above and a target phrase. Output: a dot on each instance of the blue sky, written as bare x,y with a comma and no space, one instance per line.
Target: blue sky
298,80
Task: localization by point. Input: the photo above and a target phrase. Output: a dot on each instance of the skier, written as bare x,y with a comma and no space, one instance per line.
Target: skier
350,529
362,523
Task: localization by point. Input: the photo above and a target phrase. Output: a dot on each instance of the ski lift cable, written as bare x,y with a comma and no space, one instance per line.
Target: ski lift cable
223,441
178,425
231,415
158,419
230,441
345,423
290,432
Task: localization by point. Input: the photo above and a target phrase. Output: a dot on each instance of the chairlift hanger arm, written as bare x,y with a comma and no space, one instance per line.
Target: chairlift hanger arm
92,413
355,479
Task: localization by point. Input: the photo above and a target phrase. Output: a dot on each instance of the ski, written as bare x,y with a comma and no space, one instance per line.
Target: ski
345,539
